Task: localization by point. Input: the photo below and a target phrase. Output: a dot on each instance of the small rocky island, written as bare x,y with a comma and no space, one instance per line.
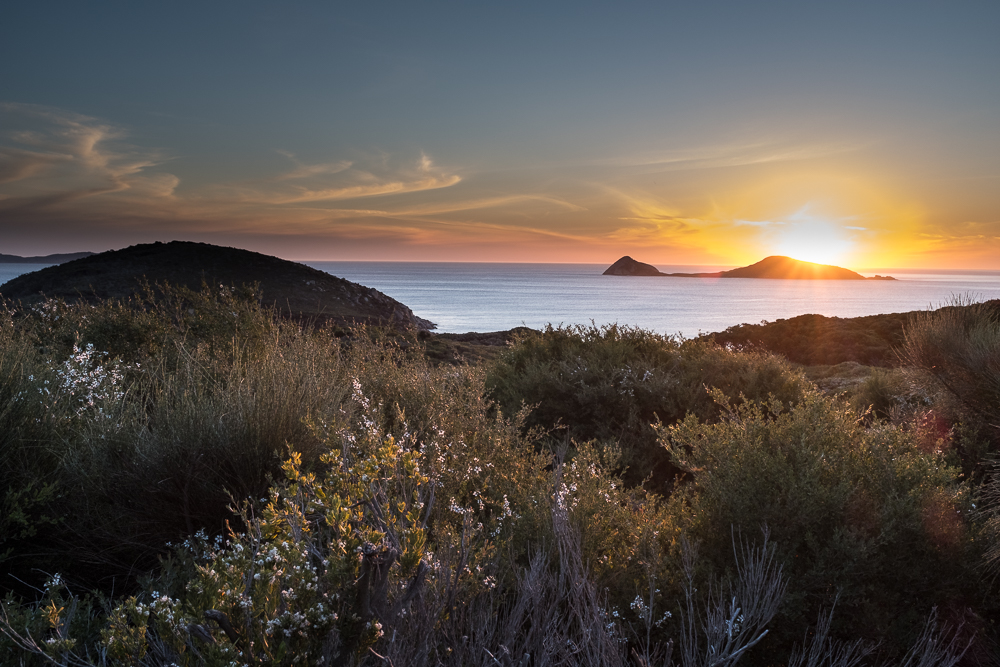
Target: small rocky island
294,289
775,267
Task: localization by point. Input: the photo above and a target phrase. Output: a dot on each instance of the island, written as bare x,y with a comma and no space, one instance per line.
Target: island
776,267
57,258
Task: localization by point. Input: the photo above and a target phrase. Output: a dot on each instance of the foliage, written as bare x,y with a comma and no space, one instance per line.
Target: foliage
855,509
889,394
820,340
610,383
451,515
956,350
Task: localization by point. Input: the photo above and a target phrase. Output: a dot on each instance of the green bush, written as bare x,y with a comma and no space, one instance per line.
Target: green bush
610,383
856,511
887,393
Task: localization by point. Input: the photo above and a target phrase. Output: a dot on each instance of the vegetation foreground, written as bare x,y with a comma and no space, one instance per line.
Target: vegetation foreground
188,479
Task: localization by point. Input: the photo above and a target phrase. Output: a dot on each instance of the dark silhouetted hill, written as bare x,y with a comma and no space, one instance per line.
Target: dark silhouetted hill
294,289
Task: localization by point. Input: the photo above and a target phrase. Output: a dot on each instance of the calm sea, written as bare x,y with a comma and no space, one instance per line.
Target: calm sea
462,297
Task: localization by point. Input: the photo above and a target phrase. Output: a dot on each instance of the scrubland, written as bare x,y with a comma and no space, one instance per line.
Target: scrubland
188,479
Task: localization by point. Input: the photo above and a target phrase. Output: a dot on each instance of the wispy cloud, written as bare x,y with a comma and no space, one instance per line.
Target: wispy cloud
303,170
55,156
733,154
340,180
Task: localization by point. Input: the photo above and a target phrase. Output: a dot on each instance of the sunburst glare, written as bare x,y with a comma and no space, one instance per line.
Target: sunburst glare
814,239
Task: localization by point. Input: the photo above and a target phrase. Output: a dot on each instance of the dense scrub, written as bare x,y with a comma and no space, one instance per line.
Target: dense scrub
339,499
856,512
612,383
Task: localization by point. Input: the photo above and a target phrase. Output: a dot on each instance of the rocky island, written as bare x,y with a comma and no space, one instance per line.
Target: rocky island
294,289
775,267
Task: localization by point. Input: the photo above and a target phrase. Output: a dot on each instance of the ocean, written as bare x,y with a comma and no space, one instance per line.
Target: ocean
461,297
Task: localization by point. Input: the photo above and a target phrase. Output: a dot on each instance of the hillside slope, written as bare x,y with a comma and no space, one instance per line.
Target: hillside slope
814,340
294,289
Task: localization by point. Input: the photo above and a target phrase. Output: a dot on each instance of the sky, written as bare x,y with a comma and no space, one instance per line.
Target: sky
863,134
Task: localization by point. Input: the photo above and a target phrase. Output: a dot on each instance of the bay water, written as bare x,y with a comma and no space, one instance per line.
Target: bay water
461,297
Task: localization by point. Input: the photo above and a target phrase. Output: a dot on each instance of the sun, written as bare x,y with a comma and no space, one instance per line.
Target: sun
811,239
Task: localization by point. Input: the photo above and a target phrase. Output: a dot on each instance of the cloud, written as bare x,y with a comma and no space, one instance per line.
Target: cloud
370,176
757,223
18,164
55,156
737,154
303,171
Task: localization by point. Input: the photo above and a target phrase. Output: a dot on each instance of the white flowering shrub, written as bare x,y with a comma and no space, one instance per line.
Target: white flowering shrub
86,382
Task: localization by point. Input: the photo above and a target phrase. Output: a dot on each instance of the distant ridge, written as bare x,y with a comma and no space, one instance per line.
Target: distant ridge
294,289
776,267
58,258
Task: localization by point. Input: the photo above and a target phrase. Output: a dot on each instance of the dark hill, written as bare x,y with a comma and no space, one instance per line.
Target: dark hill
294,289
816,340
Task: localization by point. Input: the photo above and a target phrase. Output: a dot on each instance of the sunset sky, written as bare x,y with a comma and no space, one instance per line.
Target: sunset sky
864,134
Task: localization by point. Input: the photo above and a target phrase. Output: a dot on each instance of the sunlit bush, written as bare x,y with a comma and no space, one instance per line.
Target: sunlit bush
956,351
859,511
610,383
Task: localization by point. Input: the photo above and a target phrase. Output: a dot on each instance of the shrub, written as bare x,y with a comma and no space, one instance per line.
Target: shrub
115,450
956,350
858,510
610,383
888,394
